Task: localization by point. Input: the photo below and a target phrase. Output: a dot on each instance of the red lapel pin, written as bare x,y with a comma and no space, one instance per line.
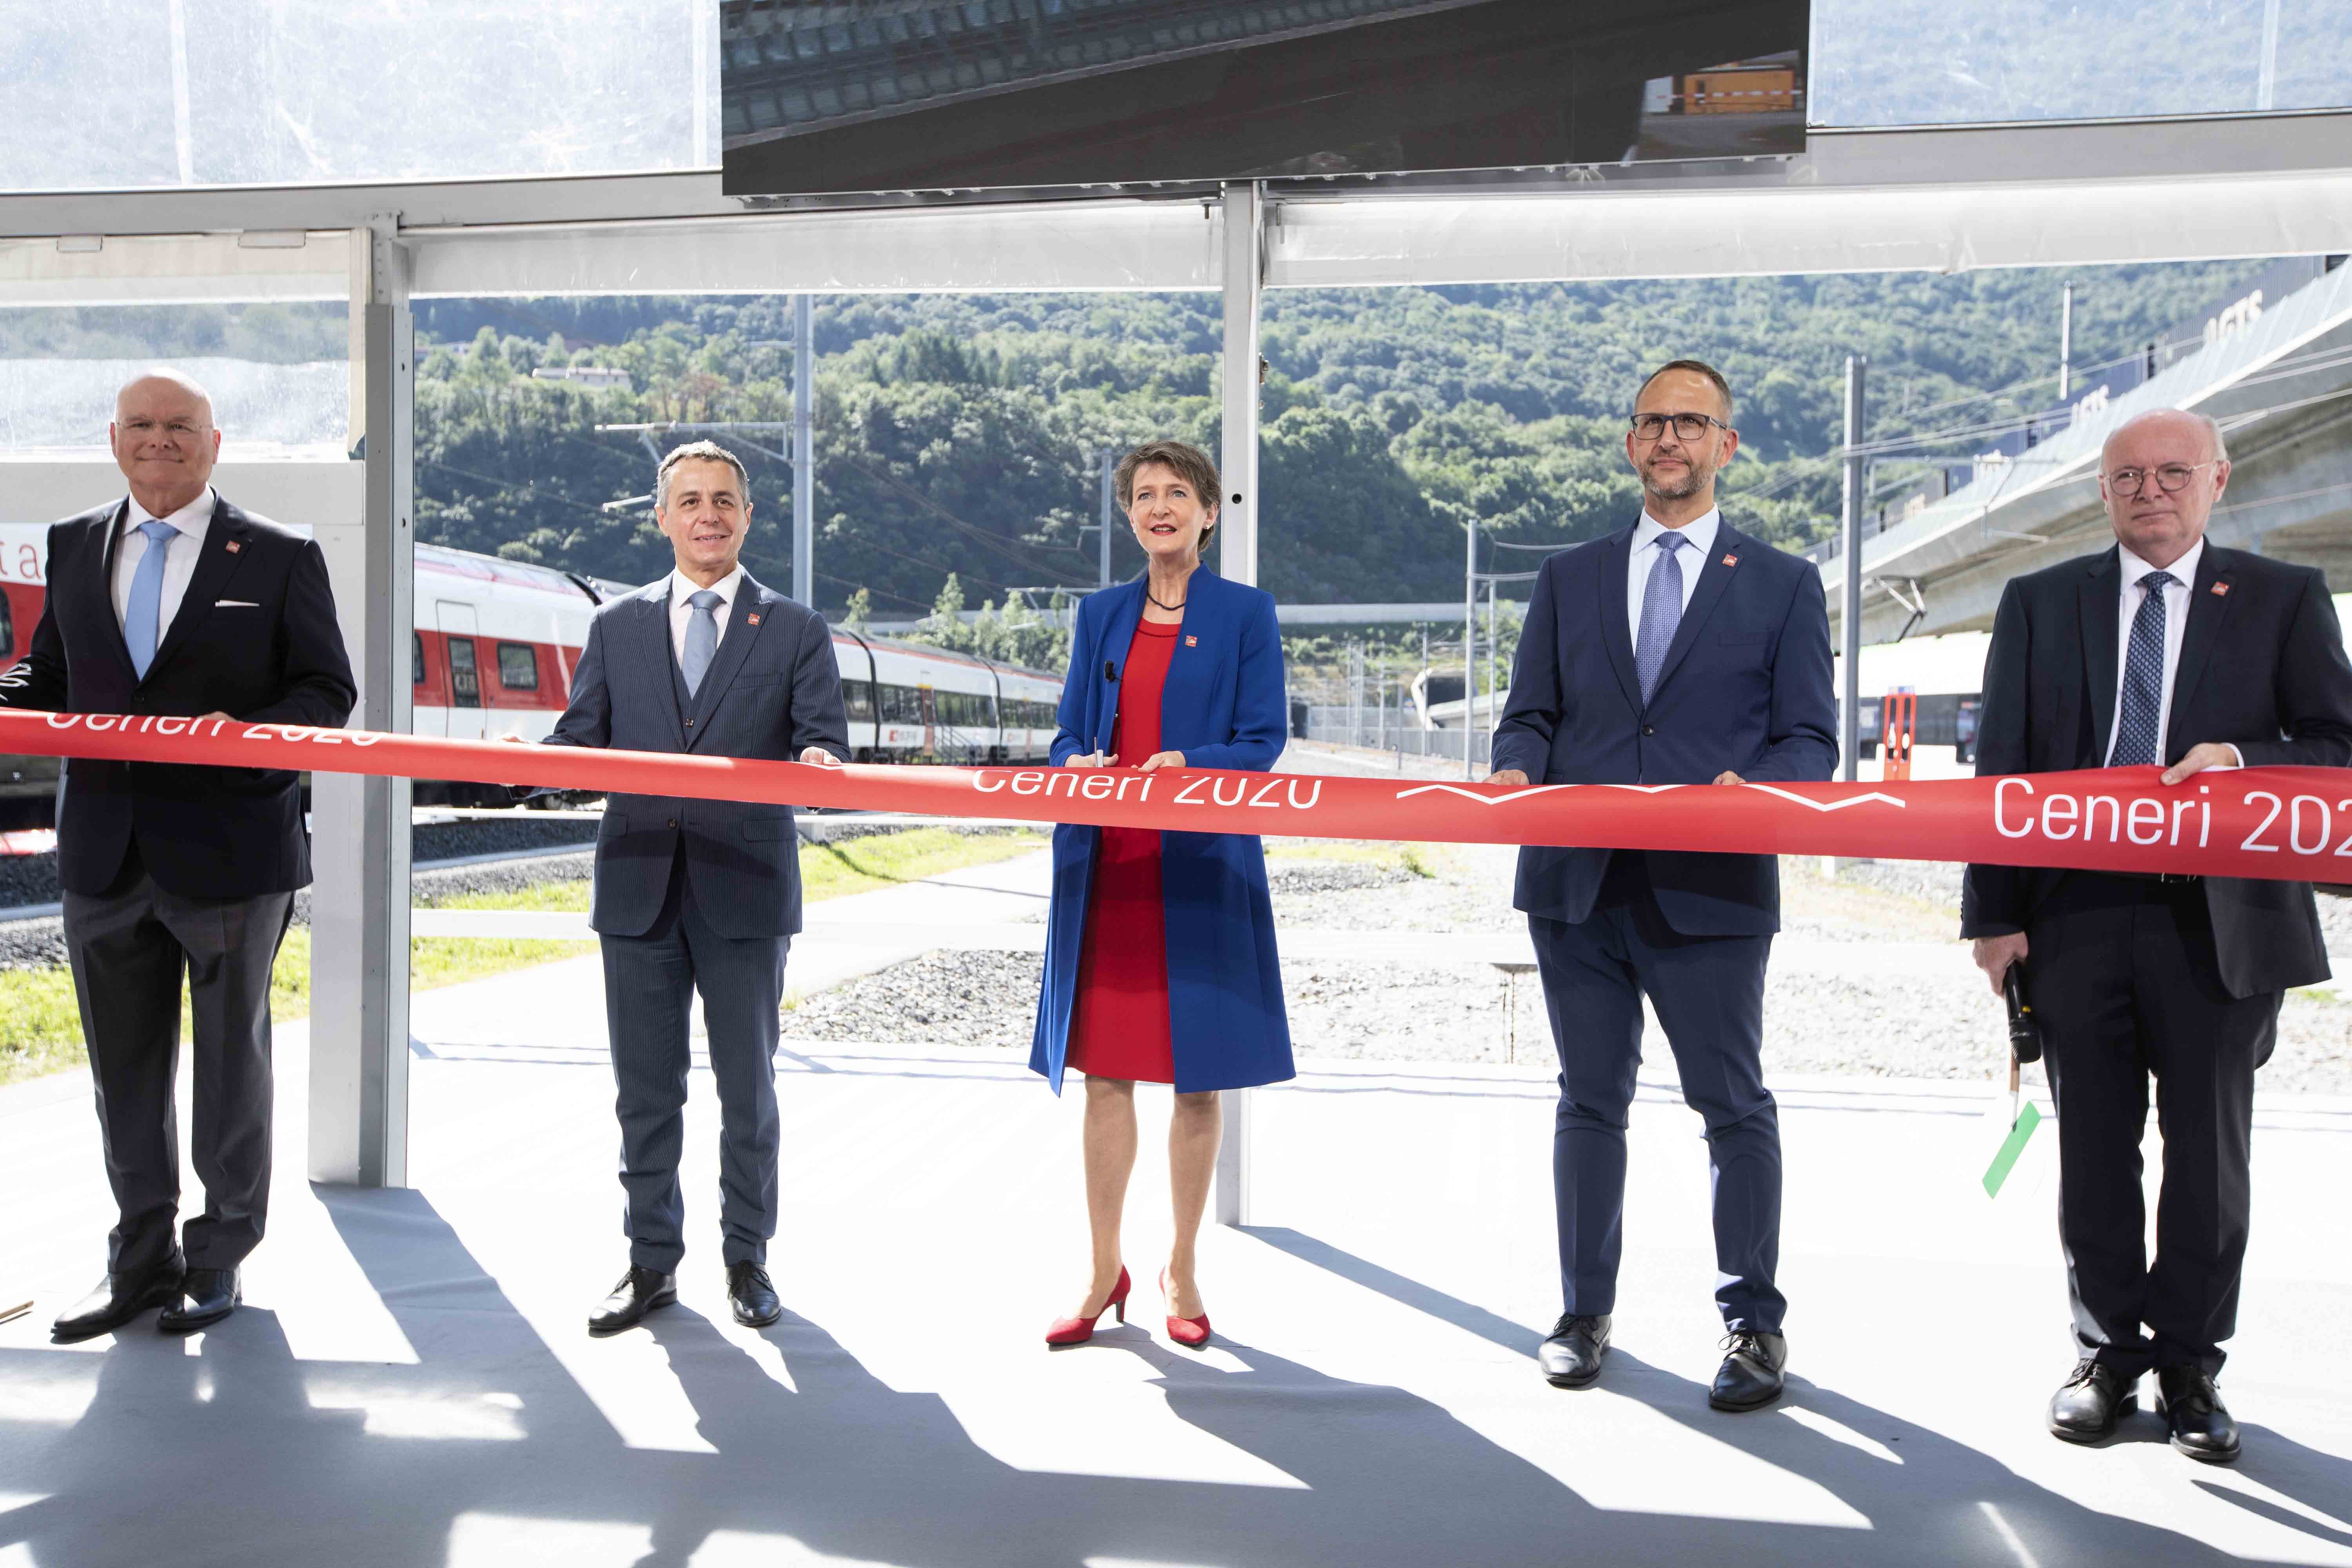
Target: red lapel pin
752,620
1191,642
233,547
2220,589
1731,561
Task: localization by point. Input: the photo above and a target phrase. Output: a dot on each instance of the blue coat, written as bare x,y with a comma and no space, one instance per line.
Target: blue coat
1223,706
1745,687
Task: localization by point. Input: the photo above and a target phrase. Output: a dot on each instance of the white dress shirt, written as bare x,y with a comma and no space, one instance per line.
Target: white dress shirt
2176,627
193,521
1698,534
681,588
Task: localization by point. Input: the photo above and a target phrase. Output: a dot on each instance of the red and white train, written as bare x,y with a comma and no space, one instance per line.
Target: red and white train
495,642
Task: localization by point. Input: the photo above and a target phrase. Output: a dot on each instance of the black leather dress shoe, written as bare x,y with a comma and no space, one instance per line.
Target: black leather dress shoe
2088,1405
639,1292
2200,1423
115,1302
1570,1358
1749,1378
752,1296
206,1296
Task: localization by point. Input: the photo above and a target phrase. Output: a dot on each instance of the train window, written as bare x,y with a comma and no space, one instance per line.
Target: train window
8,628
518,667
965,710
415,659
901,705
465,683
858,695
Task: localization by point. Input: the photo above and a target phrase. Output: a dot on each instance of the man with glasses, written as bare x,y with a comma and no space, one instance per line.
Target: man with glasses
1676,651
2161,651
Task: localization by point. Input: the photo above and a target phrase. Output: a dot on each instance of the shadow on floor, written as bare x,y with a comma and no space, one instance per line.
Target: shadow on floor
1945,1501
226,1449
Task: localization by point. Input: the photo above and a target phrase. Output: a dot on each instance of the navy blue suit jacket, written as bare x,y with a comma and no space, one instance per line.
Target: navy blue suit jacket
1745,687
2262,668
255,637
772,690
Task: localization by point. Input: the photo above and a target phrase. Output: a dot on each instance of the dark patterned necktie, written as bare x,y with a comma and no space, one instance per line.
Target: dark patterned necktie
2143,700
1662,613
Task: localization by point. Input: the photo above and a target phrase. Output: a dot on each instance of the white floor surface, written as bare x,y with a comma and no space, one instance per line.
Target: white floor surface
410,1382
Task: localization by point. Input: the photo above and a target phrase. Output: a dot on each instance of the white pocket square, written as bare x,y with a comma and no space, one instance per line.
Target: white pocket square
235,604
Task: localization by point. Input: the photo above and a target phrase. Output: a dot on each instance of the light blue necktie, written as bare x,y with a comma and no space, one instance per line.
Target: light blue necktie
2143,677
1661,612
142,617
701,639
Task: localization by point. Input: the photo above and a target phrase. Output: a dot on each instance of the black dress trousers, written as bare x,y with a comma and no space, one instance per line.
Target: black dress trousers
2125,983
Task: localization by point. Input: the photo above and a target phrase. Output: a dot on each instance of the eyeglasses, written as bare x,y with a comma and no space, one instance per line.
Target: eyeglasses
1687,426
2170,478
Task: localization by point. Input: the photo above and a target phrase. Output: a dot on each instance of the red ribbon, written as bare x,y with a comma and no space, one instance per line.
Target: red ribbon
2283,823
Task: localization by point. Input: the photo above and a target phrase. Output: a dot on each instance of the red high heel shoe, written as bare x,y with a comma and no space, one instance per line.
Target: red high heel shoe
1190,1332
1078,1330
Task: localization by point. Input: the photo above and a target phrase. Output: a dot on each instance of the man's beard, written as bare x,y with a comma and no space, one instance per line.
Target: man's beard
1693,479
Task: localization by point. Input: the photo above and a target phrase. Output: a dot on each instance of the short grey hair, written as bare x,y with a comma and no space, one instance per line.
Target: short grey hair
2212,430
696,451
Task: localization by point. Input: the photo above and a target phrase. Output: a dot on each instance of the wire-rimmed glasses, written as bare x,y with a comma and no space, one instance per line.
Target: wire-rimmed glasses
2171,478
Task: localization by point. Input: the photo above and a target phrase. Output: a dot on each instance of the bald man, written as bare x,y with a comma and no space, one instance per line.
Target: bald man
172,601
2163,651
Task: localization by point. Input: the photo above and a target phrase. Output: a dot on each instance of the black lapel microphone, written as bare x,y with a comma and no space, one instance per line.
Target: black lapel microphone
1110,672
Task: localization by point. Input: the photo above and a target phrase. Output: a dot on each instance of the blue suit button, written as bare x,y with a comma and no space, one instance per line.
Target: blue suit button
1648,730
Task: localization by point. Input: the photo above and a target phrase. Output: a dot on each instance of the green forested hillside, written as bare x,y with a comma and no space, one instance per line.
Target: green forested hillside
963,433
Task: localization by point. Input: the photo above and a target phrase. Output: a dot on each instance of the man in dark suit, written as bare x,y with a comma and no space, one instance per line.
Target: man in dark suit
697,894
2161,649
173,601
1676,651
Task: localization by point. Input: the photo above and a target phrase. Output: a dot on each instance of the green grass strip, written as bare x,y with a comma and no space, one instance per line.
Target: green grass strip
40,1027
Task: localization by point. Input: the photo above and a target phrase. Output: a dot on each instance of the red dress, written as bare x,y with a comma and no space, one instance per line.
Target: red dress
1118,1020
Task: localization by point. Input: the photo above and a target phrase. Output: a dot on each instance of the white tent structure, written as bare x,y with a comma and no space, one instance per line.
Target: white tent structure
421,1393
560,148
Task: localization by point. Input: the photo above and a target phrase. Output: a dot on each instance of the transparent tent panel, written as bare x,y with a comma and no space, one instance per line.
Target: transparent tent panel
64,404
1927,62
128,93
278,374
160,92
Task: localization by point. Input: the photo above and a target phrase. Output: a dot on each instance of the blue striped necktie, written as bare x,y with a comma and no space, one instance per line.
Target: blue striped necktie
2142,702
1661,612
143,613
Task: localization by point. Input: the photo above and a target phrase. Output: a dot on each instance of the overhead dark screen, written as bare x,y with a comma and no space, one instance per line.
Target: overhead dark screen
925,95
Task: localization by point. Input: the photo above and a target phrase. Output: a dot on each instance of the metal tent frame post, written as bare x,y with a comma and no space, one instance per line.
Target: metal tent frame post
1469,640
1849,612
1244,249
359,953
1109,511
803,453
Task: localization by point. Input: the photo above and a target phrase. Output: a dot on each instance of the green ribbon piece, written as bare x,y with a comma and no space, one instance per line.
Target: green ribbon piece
2011,1147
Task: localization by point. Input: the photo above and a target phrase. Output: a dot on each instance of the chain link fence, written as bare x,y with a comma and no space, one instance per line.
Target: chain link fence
1377,731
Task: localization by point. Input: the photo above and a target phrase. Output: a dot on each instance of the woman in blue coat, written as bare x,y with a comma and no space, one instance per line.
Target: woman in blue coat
1160,961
